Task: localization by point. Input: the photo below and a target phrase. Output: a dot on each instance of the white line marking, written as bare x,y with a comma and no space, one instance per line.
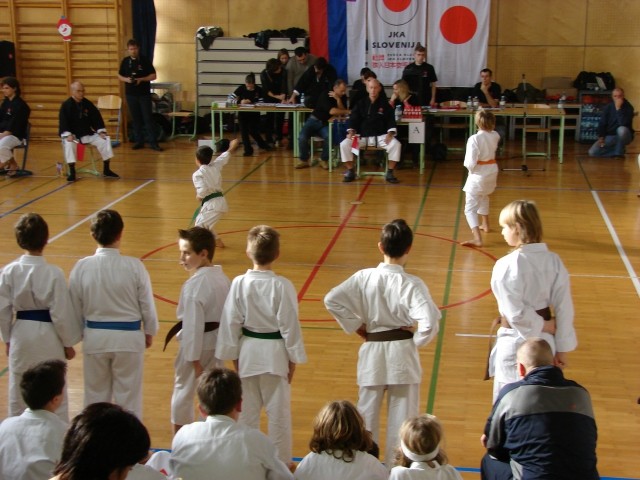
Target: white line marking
475,335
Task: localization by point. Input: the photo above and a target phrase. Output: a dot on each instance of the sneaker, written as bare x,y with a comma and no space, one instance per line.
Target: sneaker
137,146
157,148
71,178
110,174
349,176
324,165
391,178
301,164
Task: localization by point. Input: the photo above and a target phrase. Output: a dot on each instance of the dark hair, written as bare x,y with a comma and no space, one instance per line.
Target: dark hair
339,82
102,439
32,232
263,244
370,74
487,70
200,239
299,51
133,43
339,430
420,48
364,70
272,65
283,51
321,63
251,78
13,83
396,238
204,154
106,227
219,391
42,382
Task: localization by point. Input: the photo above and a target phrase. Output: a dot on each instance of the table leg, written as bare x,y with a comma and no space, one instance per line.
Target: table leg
330,147
561,141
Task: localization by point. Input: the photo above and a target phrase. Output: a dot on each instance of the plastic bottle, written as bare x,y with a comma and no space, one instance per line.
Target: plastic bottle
302,98
476,103
561,100
469,103
398,113
503,102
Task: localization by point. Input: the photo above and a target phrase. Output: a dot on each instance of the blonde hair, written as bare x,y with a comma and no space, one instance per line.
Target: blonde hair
524,215
263,244
421,435
485,120
339,430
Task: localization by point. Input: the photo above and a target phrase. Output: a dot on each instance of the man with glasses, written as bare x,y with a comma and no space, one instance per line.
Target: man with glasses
615,130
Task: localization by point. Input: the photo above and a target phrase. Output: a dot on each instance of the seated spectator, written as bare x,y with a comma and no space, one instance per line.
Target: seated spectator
329,105
283,56
487,91
339,447
248,94
103,442
420,456
81,122
14,119
30,445
220,444
404,98
372,119
542,426
615,130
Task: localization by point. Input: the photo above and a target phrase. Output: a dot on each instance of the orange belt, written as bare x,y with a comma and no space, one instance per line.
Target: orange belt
487,162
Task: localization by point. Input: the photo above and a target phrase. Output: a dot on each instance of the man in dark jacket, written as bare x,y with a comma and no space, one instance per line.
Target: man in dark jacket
373,122
81,122
614,130
541,427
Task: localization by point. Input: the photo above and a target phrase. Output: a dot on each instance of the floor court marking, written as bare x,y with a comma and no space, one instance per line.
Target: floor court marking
34,200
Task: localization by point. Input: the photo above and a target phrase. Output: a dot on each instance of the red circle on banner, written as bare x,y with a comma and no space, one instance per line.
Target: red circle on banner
397,5
458,24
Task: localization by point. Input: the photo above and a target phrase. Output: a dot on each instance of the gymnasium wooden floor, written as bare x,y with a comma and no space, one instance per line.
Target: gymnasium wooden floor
591,216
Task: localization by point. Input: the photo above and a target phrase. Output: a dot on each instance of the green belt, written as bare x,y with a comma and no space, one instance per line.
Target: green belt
210,197
264,336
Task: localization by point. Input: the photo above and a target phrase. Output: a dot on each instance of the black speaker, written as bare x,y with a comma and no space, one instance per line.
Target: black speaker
7,59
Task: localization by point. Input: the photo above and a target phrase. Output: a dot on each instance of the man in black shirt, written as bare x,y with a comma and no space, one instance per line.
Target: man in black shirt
137,73
329,105
421,77
487,91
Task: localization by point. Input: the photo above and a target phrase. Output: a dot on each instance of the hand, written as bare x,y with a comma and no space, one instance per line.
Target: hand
292,369
601,141
282,97
70,138
234,144
332,94
197,368
388,138
103,135
433,104
148,340
549,326
69,353
245,101
483,440
560,360
362,331
350,134
236,365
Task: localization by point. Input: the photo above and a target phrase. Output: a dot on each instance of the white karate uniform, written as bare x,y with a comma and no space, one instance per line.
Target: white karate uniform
30,283
201,300
207,180
528,279
221,448
322,466
393,148
144,472
110,287
263,302
30,445
103,145
422,471
482,179
7,144
386,298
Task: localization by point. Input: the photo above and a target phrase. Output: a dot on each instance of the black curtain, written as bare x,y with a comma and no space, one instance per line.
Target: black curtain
144,26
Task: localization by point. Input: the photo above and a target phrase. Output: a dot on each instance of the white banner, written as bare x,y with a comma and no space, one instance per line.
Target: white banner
458,40
356,38
394,29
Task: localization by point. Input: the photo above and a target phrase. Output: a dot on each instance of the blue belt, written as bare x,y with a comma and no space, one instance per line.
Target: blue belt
38,315
130,326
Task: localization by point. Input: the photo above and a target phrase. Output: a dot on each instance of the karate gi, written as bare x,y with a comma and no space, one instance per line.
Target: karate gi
386,298
422,471
83,120
30,445
528,279
482,178
14,118
110,287
207,180
321,466
201,300
263,302
225,449
30,283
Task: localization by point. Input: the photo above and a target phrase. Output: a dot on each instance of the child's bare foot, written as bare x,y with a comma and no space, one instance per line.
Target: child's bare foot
485,228
219,243
472,243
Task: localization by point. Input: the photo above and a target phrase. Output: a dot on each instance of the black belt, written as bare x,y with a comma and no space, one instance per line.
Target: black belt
389,335
38,315
211,197
173,331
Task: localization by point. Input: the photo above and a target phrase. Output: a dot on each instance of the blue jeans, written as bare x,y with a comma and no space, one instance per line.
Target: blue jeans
613,144
140,108
313,128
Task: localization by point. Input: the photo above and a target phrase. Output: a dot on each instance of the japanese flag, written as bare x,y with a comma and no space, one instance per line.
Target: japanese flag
355,145
458,32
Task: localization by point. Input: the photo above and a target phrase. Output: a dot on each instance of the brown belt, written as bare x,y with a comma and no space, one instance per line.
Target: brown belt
390,335
487,162
173,331
545,313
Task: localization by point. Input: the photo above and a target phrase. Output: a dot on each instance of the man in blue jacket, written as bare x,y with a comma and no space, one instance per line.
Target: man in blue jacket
614,130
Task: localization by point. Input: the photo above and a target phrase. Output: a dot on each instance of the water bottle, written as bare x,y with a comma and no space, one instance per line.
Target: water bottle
398,113
503,102
469,103
476,103
302,98
561,100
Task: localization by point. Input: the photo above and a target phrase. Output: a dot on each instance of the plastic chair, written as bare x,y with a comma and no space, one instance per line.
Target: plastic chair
363,151
110,107
542,127
179,100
